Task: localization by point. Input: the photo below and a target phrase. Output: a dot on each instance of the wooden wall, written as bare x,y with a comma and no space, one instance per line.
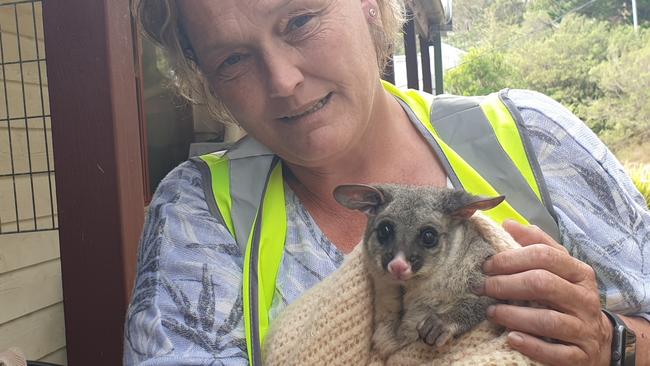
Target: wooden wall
31,314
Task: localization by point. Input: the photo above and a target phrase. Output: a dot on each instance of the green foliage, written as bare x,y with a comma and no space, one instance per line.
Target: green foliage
614,11
559,63
481,72
624,110
640,175
478,24
588,58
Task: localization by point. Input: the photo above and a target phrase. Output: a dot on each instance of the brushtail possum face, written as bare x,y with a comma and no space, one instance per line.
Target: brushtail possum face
410,229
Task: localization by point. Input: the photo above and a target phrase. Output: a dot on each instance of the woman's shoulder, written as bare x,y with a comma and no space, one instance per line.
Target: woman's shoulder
180,205
539,110
583,176
562,141
184,178
184,253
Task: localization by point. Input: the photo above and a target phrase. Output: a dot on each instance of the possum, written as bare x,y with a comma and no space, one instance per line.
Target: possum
424,257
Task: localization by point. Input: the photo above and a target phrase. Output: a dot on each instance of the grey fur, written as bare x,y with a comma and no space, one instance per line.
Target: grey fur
436,303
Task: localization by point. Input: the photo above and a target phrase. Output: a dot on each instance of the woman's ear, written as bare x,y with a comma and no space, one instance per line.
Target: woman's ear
371,11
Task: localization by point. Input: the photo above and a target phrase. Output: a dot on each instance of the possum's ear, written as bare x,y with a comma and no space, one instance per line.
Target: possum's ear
470,204
359,197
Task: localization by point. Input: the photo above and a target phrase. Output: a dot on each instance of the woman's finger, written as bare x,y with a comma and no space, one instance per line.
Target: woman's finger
539,322
547,353
538,256
527,235
540,286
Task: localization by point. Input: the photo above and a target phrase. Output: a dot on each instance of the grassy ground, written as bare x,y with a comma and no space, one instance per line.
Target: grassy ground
640,174
633,150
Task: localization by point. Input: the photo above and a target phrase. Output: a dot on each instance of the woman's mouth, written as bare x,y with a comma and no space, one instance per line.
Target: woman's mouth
317,106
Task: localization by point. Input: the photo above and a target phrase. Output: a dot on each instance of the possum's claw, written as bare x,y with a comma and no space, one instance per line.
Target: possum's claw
434,332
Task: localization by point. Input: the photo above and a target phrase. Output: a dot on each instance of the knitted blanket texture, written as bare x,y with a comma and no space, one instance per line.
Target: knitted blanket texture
332,324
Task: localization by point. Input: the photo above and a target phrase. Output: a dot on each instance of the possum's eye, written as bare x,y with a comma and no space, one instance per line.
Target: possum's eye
429,237
385,232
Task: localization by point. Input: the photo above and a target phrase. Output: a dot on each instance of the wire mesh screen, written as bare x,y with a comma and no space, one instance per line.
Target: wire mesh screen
27,192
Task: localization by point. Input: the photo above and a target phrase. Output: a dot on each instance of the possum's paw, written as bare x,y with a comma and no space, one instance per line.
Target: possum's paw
434,332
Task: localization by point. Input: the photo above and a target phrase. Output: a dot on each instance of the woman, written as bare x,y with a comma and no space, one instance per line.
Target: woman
302,78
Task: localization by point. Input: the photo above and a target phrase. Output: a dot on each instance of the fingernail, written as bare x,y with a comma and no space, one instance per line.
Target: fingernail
487,266
490,311
478,288
515,339
511,222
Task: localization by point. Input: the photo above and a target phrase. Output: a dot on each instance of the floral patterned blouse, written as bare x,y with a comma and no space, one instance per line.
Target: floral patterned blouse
186,307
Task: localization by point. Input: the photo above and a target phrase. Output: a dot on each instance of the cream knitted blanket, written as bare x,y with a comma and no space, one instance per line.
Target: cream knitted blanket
331,324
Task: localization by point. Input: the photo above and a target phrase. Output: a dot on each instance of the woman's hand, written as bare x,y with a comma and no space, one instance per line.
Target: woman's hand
544,272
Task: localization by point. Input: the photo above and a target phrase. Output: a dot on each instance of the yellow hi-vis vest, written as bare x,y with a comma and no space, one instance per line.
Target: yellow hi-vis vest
479,140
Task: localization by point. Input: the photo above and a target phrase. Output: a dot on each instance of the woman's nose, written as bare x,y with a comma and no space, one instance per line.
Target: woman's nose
284,73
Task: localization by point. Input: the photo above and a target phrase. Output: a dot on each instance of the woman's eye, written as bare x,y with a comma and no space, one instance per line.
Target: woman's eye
299,21
385,232
232,60
429,237
232,66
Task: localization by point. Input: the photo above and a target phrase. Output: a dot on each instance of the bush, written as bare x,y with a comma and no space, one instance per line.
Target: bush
559,63
623,111
641,177
480,73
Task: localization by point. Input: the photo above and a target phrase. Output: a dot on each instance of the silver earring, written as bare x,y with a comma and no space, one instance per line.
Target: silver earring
372,12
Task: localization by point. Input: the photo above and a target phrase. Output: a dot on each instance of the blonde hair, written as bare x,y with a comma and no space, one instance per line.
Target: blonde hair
160,22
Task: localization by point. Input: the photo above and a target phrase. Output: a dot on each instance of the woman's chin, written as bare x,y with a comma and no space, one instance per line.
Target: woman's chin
314,157
317,150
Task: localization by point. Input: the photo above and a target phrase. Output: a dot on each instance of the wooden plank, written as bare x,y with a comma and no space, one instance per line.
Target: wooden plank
425,65
437,63
410,49
58,357
37,334
25,31
18,105
92,88
33,199
29,75
44,223
14,156
22,250
30,289
21,152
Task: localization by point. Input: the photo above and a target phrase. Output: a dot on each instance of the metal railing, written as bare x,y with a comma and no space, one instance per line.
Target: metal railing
27,192
427,21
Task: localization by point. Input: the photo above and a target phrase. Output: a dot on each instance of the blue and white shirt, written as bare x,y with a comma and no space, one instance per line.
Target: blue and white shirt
187,301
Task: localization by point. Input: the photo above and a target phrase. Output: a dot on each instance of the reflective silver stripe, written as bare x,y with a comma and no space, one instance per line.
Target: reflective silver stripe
253,276
461,123
248,159
247,147
534,164
245,176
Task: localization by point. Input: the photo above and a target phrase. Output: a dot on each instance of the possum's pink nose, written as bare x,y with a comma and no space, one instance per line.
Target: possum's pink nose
400,268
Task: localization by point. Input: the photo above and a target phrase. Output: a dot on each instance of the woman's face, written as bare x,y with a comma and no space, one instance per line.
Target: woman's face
299,75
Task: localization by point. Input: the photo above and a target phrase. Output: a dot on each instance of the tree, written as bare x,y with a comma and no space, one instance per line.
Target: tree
586,57
614,11
623,112
482,72
560,63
